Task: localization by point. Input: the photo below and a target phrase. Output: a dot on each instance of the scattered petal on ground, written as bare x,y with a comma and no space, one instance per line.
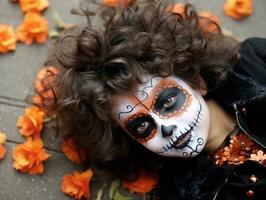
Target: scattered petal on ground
2,138
7,38
31,123
113,3
33,5
178,8
238,9
2,147
34,28
2,151
77,184
145,183
29,156
208,21
72,152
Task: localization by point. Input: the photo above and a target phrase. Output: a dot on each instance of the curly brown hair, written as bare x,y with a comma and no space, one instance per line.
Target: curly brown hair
96,63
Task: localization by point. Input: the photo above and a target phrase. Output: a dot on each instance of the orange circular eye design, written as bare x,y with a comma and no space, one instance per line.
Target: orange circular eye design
170,100
142,127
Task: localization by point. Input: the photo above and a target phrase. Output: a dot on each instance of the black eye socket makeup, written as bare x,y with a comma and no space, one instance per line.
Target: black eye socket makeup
169,100
141,127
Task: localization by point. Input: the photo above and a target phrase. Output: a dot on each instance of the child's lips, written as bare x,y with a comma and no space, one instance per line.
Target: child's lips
183,140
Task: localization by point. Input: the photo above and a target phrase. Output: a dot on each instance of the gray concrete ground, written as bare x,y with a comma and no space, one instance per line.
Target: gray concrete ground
17,72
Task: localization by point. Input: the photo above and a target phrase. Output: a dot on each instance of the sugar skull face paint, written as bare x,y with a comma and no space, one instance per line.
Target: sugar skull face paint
165,115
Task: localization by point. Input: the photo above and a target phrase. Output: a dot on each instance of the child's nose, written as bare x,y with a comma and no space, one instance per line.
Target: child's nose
167,130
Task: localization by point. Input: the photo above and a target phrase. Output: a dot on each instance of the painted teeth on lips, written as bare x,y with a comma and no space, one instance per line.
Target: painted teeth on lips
182,140
185,137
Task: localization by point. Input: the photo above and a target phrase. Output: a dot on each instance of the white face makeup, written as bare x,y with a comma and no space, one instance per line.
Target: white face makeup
165,115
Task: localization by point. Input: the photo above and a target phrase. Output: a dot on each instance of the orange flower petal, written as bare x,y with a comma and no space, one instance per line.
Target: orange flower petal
77,184
29,156
2,151
33,5
114,3
7,38
238,9
178,8
31,123
2,138
208,21
71,151
44,85
145,183
33,28
46,74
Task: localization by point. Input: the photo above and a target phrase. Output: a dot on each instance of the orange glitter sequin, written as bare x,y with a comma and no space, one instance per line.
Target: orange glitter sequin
240,149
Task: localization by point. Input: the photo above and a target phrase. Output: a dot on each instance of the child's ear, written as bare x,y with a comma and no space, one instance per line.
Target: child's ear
202,86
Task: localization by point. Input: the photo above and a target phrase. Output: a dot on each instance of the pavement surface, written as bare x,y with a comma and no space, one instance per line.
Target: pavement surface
17,73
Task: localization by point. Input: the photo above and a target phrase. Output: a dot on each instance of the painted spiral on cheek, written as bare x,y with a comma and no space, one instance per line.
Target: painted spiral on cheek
129,107
200,142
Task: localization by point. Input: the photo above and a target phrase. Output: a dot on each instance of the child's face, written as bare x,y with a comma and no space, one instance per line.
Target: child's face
165,115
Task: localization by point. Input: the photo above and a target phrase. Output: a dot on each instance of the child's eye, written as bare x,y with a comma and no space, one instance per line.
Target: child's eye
142,127
170,101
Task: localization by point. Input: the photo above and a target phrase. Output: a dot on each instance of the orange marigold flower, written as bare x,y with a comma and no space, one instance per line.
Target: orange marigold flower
236,158
29,156
2,147
178,8
2,151
44,84
238,9
145,183
33,5
7,38
2,138
114,3
220,157
46,74
241,143
77,184
31,123
33,28
208,21
72,152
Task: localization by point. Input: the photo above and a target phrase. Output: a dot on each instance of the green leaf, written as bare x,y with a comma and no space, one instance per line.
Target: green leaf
100,192
52,34
119,196
113,188
58,21
60,25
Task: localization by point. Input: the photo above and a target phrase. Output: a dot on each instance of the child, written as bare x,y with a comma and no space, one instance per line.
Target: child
157,90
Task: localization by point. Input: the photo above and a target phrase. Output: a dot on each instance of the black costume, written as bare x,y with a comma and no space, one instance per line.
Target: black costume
244,96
